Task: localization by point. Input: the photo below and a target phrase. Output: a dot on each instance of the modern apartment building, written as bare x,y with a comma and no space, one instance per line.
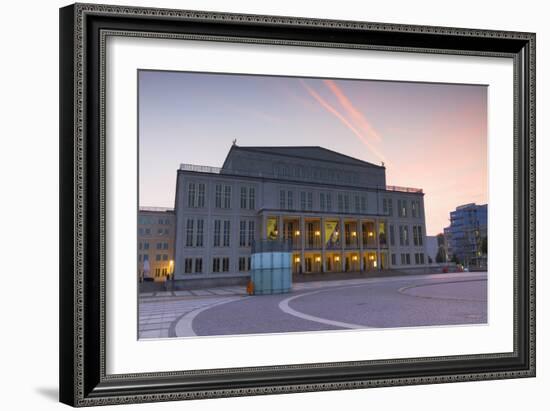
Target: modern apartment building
335,210
466,235
155,243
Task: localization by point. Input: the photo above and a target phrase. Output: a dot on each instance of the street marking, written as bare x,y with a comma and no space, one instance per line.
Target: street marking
184,325
285,307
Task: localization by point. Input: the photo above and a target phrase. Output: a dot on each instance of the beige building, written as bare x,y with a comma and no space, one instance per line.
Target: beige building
155,243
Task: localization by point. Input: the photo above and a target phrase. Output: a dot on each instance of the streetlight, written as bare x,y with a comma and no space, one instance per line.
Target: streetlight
171,272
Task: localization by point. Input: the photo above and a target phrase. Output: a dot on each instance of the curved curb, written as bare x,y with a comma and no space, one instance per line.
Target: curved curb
285,307
183,325
403,290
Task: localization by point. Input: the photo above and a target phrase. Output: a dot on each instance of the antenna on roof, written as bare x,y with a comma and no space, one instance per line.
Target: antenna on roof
234,141
382,164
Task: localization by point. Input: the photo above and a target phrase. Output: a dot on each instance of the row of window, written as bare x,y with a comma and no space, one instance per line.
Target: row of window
222,199
286,202
404,236
145,246
406,259
148,231
158,257
194,233
219,265
148,220
402,208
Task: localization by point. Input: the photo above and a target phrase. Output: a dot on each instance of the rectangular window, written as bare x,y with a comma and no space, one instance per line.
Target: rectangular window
421,258
303,200
401,236
248,263
251,230
392,235
242,233
340,202
225,264
243,197
402,208
165,257
393,259
385,206
282,199
357,204
329,202
416,258
218,199
217,230
322,201
200,202
390,207
406,234
415,236
189,233
191,195
251,198
199,241
157,257
413,208
310,201
198,265
290,198
242,263
420,242
408,256
403,259
146,245
226,233
363,204
227,197
165,246
159,246
346,203
216,265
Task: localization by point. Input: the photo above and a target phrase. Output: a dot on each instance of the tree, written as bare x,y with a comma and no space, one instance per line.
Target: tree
455,259
484,245
441,257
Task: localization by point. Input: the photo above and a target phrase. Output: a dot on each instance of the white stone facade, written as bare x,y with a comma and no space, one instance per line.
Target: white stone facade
337,212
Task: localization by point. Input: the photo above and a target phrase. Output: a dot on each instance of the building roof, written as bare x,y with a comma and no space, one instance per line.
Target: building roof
303,152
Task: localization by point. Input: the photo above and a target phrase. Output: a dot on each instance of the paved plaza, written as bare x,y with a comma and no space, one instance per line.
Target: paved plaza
383,302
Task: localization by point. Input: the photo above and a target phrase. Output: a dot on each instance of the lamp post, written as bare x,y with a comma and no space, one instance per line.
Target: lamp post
171,273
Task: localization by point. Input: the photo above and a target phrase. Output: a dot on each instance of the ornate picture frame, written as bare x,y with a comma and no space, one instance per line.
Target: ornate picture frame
84,30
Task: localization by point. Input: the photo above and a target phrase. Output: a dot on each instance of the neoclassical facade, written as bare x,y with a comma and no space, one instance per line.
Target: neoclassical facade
335,210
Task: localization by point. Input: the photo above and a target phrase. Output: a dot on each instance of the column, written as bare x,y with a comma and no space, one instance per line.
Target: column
302,244
376,233
263,236
360,239
342,237
323,243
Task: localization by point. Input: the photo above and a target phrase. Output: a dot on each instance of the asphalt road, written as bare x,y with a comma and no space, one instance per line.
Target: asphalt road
427,300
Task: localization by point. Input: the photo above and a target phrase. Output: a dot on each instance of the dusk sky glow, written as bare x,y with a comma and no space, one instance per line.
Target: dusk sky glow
430,136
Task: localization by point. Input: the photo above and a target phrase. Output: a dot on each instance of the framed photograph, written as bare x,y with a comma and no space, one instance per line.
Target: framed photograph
262,204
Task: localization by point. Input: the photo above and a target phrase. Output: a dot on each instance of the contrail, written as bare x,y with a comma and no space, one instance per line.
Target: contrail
355,114
340,117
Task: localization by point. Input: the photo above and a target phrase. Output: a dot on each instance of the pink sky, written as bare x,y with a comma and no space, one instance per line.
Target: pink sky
430,136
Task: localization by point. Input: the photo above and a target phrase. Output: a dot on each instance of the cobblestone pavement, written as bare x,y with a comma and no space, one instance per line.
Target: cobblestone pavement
419,300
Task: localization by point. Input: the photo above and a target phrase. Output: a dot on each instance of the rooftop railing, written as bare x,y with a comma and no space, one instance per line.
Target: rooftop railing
217,170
